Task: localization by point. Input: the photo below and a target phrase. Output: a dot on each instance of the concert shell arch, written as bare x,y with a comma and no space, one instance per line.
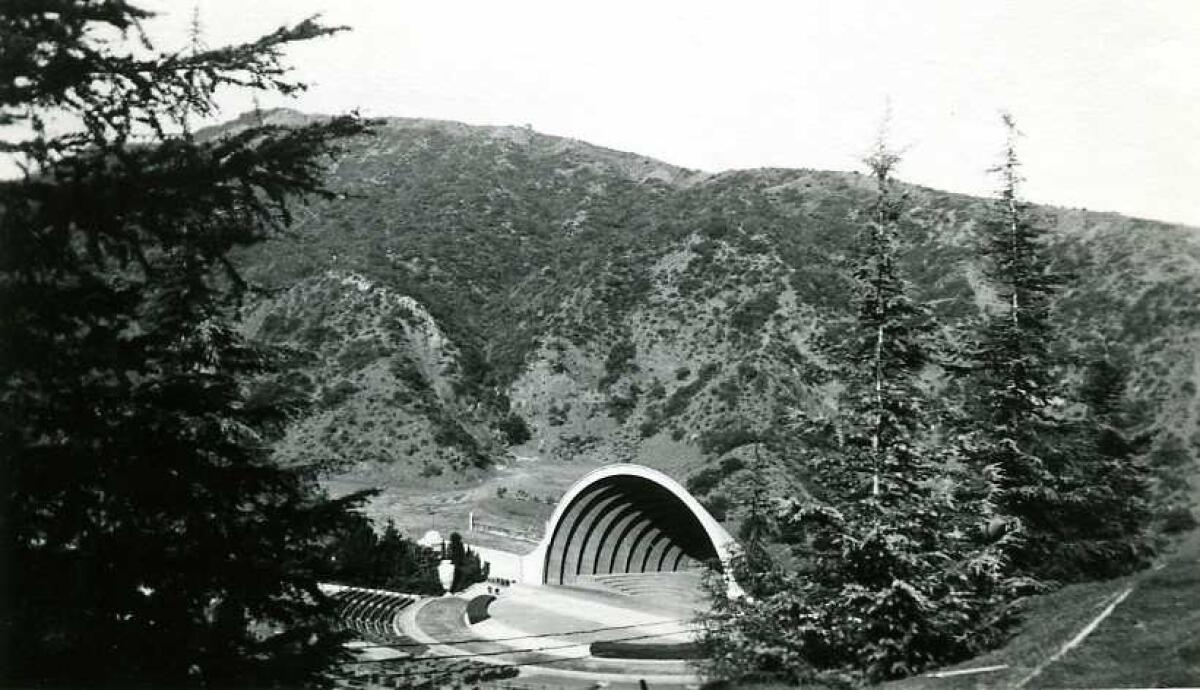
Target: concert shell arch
626,518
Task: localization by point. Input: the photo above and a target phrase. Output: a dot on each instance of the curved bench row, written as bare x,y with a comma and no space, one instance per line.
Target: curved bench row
370,611
684,587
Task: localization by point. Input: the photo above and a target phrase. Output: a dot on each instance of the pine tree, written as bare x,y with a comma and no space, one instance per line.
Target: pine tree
894,581
1050,478
1014,361
757,524
403,565
147,536
468,568
1116,480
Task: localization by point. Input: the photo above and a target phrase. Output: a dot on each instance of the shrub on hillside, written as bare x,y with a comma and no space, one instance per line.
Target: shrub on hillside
407,371
727,436
708,478
754,313
557,416
621,406
336,394
359,353
515,429
679,400
620,361
1178,519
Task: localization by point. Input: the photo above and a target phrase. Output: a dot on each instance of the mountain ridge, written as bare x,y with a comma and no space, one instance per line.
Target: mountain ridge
517,133
627,309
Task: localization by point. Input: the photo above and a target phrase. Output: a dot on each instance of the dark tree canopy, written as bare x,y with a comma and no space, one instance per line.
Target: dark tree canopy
1073,489
468,568
147,536
384,561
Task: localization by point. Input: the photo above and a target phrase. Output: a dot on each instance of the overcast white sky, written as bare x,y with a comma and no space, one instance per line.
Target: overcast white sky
1107,92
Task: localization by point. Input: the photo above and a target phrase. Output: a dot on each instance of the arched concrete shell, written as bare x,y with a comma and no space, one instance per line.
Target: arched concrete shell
625,518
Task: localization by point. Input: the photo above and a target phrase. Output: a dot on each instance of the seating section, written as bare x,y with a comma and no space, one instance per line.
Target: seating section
676,587
371,612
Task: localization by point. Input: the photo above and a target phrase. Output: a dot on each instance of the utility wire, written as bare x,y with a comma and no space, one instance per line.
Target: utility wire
522,637
471,655
435,673
452,672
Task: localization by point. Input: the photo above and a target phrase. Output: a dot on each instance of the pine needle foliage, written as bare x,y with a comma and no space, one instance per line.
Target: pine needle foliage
148,539
1077,498
893,575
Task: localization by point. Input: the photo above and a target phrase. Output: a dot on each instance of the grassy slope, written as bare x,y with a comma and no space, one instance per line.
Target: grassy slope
1152,639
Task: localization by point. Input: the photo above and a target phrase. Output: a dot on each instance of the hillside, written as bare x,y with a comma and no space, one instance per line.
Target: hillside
627,309
1071,638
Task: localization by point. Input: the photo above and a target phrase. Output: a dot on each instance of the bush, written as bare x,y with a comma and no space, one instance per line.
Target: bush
728,392
469,568
645,650
703,481
557,416
717,505
289,391
619,362
477,608
363,558
1178,519
278,326
515,429
621,407
317,335
682,396
652,423
406,370
359,353
726,437
754,313
338,393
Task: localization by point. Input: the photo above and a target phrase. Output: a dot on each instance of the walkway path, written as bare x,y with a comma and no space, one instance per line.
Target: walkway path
441,623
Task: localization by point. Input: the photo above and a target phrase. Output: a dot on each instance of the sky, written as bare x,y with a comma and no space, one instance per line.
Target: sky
1105,92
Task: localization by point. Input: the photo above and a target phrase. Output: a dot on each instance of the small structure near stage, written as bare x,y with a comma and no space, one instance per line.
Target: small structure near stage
432,540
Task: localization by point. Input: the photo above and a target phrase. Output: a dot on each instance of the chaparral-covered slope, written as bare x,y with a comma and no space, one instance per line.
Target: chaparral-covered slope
626,309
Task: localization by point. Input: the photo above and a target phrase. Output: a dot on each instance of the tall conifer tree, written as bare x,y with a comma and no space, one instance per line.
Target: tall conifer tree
895,580
1014,413
147,537
1053,479
1117,479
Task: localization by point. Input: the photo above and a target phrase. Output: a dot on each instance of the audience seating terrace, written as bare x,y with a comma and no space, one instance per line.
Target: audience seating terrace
371,611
